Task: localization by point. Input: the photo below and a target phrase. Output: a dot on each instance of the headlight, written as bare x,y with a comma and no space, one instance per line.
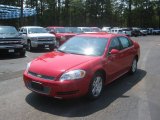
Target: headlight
51,38
63,38
22,41
54,39
72,75
28,66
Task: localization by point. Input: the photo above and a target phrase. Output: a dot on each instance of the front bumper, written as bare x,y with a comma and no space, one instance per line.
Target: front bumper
9,49
55,88
43,44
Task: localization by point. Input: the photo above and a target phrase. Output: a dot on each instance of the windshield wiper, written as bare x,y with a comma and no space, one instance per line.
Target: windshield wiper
61,51
76,53
70,52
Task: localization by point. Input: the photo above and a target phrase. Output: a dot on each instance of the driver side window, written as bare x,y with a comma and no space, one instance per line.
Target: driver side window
115,44
25,30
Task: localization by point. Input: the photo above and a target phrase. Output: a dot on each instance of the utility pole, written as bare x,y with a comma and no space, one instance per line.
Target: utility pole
35,17
21,15
159,12
70,17
129,13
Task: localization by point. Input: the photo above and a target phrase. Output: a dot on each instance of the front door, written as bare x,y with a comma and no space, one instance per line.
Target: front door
113,61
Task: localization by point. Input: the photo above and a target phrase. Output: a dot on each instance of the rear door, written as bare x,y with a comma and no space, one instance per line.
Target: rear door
126,52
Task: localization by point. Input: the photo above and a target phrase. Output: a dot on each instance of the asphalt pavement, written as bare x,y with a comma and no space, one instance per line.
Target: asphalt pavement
131,97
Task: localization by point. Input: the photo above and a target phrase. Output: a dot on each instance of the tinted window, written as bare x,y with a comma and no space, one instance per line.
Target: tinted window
25,30
86,29
72,30
115,44
60,30
125,42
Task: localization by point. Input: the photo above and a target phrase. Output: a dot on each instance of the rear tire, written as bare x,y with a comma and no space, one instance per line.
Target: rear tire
96,86
133,66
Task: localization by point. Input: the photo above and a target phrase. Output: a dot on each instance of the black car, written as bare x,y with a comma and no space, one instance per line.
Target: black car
136,32
10,41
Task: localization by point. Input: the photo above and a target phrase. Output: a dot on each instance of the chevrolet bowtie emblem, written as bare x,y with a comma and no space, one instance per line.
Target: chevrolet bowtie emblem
39,76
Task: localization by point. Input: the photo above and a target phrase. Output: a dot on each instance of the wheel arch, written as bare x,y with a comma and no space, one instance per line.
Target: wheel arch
28,40
102,71
136,57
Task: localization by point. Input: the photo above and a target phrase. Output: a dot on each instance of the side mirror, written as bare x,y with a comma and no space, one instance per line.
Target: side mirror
114,51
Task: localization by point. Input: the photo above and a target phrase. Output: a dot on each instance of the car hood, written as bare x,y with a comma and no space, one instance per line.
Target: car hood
41,35
65,34
56,63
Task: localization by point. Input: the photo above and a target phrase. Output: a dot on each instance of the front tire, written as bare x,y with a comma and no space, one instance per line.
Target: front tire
96,86
57,44
22,54
29,46
51,47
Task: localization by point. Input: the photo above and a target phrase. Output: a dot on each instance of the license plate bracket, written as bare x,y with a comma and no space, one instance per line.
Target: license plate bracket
11,50
37,86
46,45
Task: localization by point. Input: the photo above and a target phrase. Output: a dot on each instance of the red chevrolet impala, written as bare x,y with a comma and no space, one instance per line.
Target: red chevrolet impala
82,66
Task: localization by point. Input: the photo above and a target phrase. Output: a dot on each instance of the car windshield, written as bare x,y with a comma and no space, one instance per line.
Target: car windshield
37,30
8,30
125,29
59,30
91,46
96,30
72,30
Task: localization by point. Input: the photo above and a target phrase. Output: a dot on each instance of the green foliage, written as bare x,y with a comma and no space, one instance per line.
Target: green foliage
139,13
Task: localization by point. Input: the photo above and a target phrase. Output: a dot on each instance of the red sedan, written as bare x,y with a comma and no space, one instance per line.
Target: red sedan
63,33
82,66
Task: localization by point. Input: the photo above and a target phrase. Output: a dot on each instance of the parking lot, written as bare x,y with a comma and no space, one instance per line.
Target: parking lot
134,97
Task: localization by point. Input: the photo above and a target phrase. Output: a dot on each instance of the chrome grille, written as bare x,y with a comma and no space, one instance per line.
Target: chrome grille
41,76
45,41
9,42
45,38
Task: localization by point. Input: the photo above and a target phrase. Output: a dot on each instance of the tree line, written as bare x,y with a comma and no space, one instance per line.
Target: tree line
123,13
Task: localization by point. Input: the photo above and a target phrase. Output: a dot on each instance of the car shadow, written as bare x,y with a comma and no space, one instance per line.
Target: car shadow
82,107
40,51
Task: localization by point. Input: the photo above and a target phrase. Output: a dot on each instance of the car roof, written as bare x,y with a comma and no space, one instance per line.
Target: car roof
32,27
100,34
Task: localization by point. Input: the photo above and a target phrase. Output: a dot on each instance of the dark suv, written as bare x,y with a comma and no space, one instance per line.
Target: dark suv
10,41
